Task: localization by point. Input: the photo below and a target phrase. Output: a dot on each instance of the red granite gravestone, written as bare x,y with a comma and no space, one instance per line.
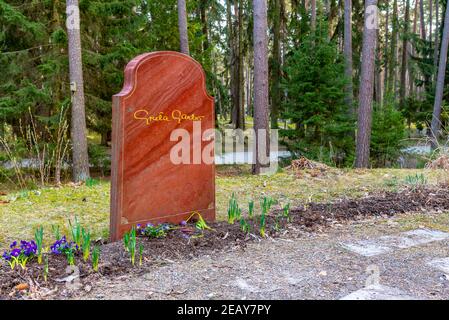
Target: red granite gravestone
163,92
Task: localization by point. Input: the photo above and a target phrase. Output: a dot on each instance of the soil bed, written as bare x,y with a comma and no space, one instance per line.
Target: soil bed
115,261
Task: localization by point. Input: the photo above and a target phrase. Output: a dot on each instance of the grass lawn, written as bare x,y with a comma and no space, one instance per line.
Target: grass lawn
54,206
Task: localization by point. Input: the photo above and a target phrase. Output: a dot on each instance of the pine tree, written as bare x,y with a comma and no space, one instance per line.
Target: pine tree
436,117
182,21
366,85
80,157
260,83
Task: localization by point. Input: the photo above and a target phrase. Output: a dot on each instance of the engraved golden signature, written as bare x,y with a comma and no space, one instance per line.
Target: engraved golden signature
176,115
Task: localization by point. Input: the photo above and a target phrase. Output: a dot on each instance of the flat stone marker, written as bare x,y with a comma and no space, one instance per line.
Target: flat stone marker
366,248
441,264
154,179
378,292
385,244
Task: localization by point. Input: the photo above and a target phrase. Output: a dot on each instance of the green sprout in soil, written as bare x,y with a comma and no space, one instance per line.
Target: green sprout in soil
126,241
132,242
90,182
46,268
39,238
86,244
234,211
95,258
251,209
200,223
416,180
286,212
76,231
262,224
70,255
266,204
141,247
244,226
56,233
277,224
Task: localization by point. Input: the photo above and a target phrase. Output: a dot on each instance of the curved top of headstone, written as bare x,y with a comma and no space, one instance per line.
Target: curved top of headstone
170,59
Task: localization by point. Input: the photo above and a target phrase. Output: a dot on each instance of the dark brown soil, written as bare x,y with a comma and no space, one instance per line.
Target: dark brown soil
175,246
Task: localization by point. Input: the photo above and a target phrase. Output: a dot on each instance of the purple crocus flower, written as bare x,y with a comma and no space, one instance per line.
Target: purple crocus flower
13,244
183,223
6,256
15,253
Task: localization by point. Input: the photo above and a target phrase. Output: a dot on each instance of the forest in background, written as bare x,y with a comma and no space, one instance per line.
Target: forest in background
314,57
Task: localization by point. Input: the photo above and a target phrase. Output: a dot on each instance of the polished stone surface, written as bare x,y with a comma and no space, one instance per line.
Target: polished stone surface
163,91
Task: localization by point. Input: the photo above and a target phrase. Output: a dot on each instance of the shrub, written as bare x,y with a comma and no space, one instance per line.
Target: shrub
388,133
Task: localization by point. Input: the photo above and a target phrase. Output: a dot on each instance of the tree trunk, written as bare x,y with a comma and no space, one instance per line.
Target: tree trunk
437,31
276,72
231,59
431,18
386,57
412,52
348,54
423,23
78,124
402,91
241,66
366,85
436,118
377,74
393,49
237,69
204,26
260,83
313,15
182,25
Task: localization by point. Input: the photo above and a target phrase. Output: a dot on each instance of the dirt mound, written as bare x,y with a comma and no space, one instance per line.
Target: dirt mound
302,165
315,215
441,162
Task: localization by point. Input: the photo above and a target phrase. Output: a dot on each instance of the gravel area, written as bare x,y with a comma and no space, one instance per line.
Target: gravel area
298,265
